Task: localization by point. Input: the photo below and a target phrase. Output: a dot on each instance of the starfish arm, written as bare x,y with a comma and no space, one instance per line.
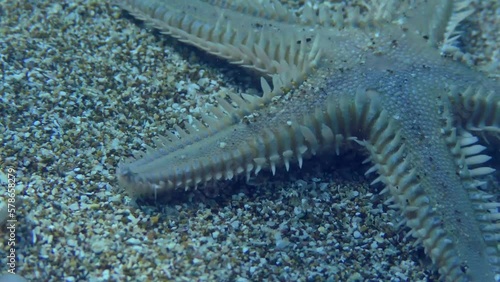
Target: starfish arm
231,34
437,195
261,132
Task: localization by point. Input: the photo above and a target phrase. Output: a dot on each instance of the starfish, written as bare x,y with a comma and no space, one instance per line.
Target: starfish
386,79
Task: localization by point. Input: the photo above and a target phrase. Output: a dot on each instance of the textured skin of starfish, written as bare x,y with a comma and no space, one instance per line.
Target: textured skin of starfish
376,80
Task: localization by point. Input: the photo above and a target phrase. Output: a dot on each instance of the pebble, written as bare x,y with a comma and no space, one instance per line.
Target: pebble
133,241
357,234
